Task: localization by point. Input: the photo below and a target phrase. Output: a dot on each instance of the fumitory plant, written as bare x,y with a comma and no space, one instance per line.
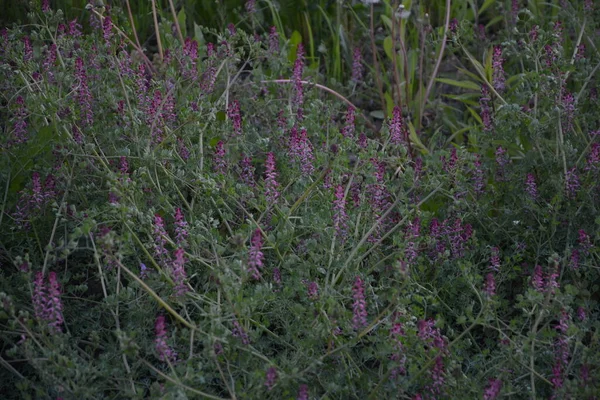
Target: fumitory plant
210,221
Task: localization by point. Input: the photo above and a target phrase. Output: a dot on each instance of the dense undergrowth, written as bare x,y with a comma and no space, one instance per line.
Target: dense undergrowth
214,223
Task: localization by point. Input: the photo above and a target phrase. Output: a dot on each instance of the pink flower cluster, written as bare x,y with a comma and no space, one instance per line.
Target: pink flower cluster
359,306
271,184
255,255
219,163
178,272
235,115
301,150
357,67
83,95
164,352
492,390
247,171
271,378
47,305
498,78
348,129
543,283
531,186
486,114
239,332
340,218
398,131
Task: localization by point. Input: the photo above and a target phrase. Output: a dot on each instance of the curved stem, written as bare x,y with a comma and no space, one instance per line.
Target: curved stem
325,88
439,59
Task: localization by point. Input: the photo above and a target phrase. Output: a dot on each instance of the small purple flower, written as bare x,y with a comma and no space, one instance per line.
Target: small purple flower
107,32
340,218
437,376
46,301
495,259
357,67
271,378
359,307
182,149
232,29
144,271
273,41
574,261
277,276
181,226
313,290
486,114
593,158
219,163
235,115
238,331
585,242
271,184
75,28
28,52
453,27
19,132
398,132
581,315
498,78
533,33
362,141
46,6
178,272
297,77
83,95
163,350
531,186
568,108
160,237
247,171
348,129
551,283
537,279
255,255
493,389
302,393
478,176
572,183
489,287
514,11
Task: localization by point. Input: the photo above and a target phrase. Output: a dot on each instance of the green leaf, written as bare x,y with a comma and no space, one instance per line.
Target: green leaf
414,139
387,47
221,116
386,21
486,5
294,41
462,84
377,114
181,18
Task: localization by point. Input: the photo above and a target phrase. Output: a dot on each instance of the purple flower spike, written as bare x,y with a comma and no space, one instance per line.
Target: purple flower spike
163,350
340,217
359,307
255,255
271,184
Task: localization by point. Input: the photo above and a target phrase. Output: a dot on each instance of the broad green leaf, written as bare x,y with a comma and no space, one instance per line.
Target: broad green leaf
462,84
486,5
387,21
295,39
389,103
181,18
377,114
387,47
414,139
